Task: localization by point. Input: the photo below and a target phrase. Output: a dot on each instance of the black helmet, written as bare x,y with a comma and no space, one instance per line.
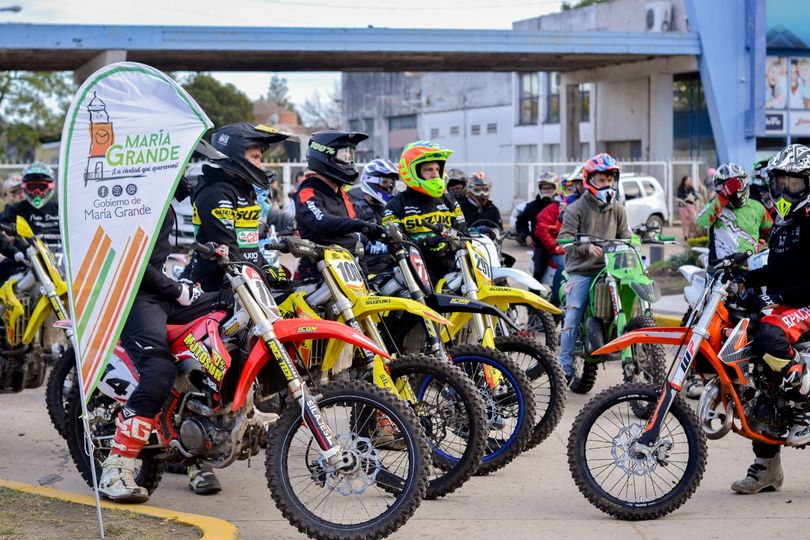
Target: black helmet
331,154
456,177
234,139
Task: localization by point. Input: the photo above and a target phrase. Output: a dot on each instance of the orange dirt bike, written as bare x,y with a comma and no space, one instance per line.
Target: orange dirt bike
644,469
325,467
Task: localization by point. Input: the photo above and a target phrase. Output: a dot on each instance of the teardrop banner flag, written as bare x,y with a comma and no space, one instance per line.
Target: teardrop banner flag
128,136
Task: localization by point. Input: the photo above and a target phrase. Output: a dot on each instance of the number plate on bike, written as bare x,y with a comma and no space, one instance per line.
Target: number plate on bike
345,269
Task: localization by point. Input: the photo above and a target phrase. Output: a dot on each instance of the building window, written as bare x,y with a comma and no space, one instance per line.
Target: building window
551,152
402,122
492,128
553,98
354,125
434,133
368,123
475,129
584,151
525,157
585,102
528,99
453,130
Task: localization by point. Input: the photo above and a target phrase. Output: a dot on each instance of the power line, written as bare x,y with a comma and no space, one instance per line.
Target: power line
465,7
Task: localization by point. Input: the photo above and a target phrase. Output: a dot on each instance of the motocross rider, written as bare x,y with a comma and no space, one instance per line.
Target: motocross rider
788,294
421,167
759,186
41,213
322,208
476,206
736,223
549,222
225,210
159,300
526,222
595,213
457,183
12,189
377,186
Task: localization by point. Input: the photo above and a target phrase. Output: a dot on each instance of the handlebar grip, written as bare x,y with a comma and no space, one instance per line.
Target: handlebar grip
204,249
666,238
564,241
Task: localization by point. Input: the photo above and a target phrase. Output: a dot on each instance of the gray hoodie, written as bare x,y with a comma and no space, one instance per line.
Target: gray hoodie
584,216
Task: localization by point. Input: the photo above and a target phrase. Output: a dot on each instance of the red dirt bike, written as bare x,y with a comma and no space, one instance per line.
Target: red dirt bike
635,468
325,466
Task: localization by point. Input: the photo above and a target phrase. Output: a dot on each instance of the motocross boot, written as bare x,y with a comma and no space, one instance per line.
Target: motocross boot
765,474
800,432
202,480
118,470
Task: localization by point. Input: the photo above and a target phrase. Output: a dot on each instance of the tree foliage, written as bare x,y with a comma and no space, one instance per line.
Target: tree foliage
322,109
279,93
32,109
568,6
223,103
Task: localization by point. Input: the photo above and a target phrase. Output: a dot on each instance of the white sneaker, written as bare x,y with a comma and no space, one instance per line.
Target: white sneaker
763,475
117,481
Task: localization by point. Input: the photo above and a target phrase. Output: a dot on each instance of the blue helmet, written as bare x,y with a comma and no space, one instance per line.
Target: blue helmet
379,179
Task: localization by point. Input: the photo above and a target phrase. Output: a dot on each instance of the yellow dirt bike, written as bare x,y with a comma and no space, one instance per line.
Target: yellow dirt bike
448,402
31,301
474,280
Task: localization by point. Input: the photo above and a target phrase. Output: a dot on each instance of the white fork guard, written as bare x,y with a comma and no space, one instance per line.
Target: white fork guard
521,277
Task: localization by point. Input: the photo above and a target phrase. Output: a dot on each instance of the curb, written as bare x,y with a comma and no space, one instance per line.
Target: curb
667,320
212,528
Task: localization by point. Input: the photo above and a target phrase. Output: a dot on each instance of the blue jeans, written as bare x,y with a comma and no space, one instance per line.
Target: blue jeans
559,261
576,301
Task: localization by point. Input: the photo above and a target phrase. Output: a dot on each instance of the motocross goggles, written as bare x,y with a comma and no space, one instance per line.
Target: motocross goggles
38,188
345,155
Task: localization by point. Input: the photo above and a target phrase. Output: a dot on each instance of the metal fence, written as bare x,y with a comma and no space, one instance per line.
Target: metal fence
512,183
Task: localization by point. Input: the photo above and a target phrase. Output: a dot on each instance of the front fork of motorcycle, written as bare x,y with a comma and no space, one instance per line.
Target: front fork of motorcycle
674,382
311,414
629,366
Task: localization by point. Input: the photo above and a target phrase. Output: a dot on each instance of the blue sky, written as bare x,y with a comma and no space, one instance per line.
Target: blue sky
490,14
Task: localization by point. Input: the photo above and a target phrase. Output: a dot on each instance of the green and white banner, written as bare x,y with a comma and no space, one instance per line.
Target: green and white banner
127,139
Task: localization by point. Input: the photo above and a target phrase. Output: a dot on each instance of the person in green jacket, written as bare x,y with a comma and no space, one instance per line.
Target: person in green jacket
736,223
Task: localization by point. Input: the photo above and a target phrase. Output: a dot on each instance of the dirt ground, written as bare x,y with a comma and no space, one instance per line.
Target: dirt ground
28,516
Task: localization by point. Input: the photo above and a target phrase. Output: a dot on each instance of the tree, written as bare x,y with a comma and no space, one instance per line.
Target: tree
32,108
568,6
223,103
322,110
278,93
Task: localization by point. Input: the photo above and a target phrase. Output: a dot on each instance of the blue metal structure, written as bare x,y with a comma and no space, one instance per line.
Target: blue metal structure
54,47
732,35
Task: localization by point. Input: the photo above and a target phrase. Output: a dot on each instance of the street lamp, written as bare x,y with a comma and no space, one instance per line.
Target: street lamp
13,9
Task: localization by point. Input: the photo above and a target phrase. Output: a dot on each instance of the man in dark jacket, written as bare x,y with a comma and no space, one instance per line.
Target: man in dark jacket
323,211
225,210
526,222
476,206
377,186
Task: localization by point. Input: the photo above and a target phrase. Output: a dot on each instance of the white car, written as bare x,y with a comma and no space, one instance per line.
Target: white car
644,200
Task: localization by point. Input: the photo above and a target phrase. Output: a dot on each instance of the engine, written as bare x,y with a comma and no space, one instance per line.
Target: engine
768,409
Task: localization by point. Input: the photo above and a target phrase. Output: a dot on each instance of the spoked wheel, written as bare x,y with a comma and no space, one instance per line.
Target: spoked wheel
624,479
385,480
60,383
536,325
584,373
102,411
546,378
508,402
451,412
649,364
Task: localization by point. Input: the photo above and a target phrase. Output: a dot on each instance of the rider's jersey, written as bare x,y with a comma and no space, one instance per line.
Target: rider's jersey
155,284
377,257
487,212
734,230
225,211
44,221
411,208
788,260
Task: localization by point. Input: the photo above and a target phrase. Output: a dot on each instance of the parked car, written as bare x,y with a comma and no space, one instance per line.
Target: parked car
644,200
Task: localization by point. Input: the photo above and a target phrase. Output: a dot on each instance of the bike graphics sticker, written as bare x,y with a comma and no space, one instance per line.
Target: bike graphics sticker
127,138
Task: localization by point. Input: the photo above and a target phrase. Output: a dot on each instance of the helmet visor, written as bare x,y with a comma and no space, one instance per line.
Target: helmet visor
482,191
345,155
387,184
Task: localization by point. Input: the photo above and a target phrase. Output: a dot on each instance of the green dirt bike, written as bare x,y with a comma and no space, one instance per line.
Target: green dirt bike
619,301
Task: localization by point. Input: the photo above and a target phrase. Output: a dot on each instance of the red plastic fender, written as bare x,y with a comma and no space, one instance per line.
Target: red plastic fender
296,331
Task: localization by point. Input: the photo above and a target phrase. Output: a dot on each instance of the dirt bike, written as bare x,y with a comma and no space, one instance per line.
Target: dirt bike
537,324
326,472
619,301
410,279
31,301
444,399
474,280
635,469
